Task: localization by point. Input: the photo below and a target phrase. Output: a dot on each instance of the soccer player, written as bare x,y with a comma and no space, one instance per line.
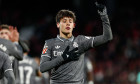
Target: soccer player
9,38
6,69
28,67
64,55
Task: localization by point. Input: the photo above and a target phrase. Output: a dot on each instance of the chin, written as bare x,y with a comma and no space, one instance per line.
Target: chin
66,32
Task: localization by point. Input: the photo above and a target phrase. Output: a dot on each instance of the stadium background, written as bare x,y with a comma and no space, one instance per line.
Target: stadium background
117,62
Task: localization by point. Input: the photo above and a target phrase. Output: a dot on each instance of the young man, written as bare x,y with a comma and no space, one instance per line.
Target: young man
64,55
6,69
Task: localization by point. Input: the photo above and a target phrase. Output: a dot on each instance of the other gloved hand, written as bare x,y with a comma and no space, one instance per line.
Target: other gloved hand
70,55
101,8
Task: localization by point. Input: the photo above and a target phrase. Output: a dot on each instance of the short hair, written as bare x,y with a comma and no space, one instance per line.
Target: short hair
25,45
4,26
65,13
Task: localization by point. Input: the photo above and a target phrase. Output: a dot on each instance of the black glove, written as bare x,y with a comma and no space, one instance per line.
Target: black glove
70,55
101,9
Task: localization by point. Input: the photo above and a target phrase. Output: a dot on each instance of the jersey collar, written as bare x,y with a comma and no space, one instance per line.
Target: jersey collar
63,39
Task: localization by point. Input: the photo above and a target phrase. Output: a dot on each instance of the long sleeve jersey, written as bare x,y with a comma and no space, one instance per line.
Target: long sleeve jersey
71,72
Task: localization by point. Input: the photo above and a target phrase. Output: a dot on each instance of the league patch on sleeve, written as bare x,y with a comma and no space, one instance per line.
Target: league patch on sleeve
45,49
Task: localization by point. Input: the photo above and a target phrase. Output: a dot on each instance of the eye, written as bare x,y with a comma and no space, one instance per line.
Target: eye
70,21
1,33
64,21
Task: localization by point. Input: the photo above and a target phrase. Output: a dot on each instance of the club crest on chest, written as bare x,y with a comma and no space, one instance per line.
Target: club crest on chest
75,44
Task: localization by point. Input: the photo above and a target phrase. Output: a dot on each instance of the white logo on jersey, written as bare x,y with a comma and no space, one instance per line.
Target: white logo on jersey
57,47
57,53
87,37
67,55
3,47
75,45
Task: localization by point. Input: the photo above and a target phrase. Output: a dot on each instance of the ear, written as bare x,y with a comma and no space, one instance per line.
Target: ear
58,25
74,25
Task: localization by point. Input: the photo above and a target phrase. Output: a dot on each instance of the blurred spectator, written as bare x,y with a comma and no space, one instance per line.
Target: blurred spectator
13,49
88,69
28,67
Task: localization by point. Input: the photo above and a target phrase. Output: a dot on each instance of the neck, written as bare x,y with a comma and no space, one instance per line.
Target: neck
66,36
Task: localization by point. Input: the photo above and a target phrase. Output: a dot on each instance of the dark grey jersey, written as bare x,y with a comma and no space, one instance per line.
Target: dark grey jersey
5,64
27,70
71,72
14,51
11,49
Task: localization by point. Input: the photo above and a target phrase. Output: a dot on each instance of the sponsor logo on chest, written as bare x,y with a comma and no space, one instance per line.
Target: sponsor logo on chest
58,52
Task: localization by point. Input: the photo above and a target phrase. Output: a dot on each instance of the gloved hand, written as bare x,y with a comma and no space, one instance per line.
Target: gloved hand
70,55
101,9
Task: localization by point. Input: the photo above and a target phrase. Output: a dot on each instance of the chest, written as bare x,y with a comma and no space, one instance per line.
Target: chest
59,47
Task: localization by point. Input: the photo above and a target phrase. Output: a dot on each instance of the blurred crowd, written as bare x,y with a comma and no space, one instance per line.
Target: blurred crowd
116,62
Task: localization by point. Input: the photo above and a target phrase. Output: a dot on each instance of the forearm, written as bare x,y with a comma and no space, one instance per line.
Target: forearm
10,77
46,65
107,33
18,52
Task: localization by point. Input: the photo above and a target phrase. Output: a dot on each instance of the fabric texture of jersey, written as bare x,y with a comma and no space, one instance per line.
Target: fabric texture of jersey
5,64
27,70
14,52
72,71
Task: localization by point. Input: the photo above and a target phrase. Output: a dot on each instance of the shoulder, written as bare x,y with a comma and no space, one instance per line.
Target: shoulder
50,40
49,43
6,42
3,55
84,37
80,37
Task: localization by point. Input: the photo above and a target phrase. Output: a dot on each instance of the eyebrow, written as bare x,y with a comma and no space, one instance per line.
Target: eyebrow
68,19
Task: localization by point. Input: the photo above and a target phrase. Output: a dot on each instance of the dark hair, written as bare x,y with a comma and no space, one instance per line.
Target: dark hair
25,45
4,26
65,13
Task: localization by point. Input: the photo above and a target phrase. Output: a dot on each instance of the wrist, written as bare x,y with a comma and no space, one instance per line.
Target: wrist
105,18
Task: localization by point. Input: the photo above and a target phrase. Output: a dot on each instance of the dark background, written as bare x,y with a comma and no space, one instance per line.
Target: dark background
117,62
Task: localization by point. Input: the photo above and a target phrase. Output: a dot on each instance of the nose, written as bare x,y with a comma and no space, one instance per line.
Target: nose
3,36
68,24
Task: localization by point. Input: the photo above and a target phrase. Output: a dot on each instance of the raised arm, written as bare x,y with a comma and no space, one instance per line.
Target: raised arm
15,39
107,33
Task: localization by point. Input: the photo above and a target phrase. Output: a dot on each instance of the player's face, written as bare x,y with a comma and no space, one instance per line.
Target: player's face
66,25
5,33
